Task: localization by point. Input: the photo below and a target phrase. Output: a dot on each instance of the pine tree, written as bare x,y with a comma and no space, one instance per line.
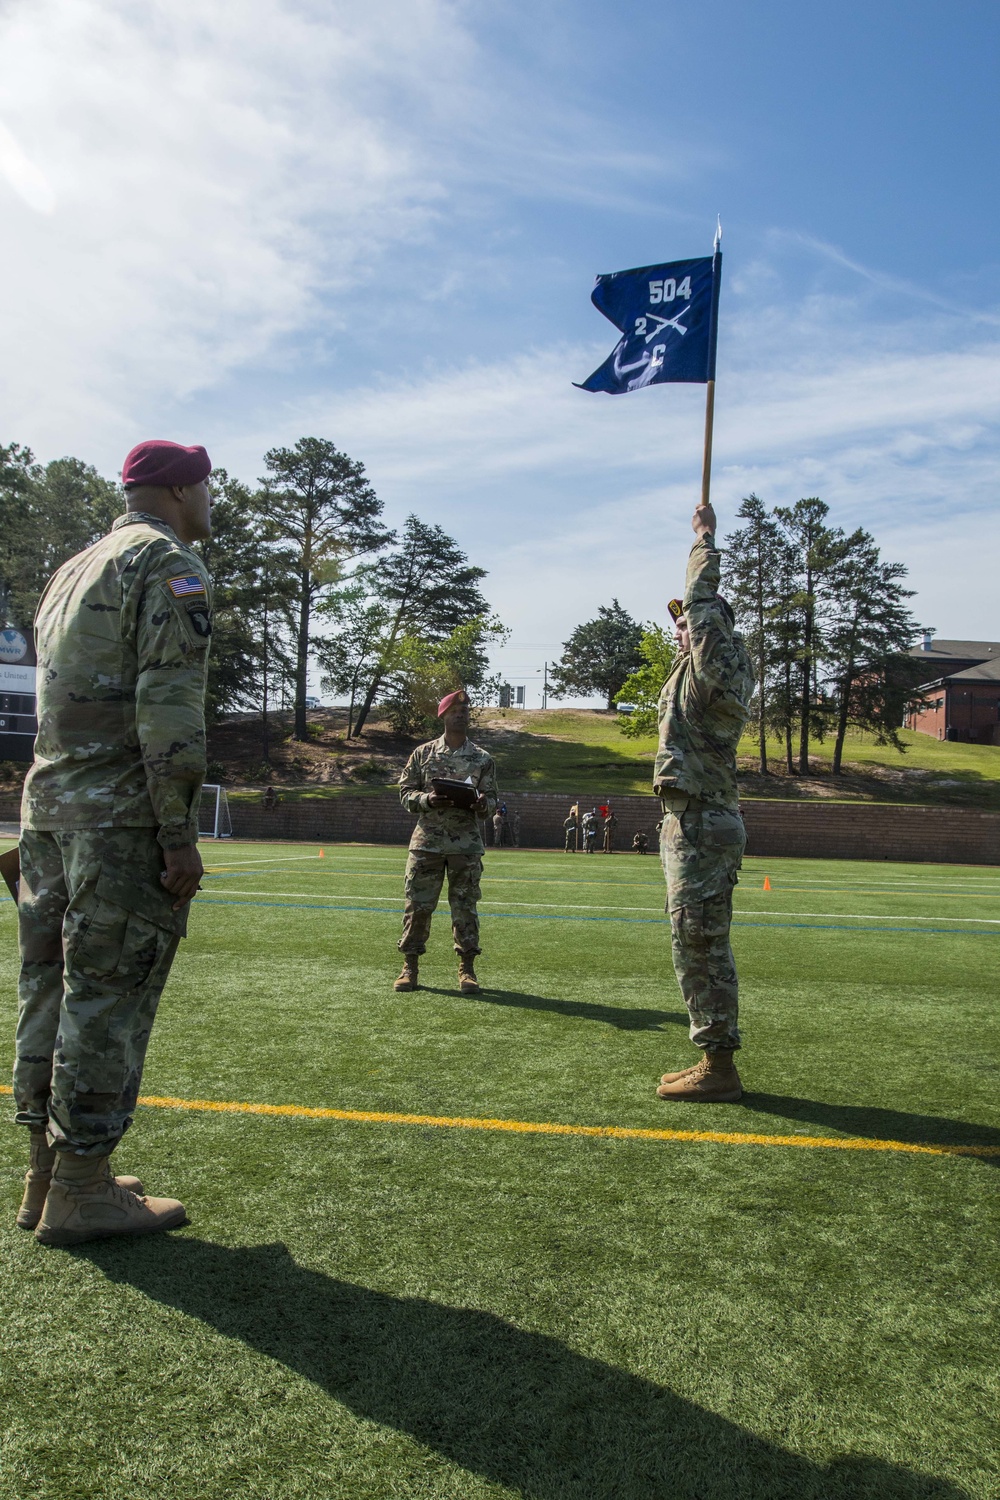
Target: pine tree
867,643
322,513
756,559
430,589
816,547
48,513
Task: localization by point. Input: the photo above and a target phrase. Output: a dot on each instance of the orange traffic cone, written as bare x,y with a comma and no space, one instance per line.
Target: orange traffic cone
767,882
321,856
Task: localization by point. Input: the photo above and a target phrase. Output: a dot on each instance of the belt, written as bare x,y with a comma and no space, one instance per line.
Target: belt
680,802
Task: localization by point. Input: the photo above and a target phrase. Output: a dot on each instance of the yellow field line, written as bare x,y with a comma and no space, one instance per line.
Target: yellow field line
548,1127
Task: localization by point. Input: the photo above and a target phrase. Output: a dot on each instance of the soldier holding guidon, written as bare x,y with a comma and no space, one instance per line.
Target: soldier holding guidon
109,858
446,840
703,708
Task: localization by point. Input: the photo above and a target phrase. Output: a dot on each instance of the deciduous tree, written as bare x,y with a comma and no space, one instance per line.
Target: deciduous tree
658,651
599,655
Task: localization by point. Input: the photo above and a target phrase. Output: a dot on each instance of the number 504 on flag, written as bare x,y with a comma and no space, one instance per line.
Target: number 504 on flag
667,316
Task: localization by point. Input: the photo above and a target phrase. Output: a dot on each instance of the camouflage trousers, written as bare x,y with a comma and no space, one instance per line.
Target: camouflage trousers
97,938
701,847
425,872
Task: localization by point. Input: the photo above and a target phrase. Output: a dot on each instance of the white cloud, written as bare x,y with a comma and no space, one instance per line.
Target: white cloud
213,169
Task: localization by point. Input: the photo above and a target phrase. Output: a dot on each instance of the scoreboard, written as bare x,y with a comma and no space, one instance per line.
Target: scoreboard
18,724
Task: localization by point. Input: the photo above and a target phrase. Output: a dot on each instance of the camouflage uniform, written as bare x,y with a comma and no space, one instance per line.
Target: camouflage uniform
122,633
610,822
703,708
570,826
589,832
444,840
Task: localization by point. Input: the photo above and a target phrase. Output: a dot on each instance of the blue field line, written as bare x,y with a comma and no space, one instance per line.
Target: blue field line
517,916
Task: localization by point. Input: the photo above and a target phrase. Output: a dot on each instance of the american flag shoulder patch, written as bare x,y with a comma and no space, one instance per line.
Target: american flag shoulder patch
181,587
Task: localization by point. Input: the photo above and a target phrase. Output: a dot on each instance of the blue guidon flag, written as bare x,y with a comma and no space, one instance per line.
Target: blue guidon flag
667,316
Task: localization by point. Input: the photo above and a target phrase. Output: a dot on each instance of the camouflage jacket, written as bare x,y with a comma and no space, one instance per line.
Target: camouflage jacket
706,699
122,633
450,829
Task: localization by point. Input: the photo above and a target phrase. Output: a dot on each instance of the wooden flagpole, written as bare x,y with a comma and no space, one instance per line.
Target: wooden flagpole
706,466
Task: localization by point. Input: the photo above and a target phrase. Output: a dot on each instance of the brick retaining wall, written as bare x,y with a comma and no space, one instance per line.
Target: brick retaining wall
827,830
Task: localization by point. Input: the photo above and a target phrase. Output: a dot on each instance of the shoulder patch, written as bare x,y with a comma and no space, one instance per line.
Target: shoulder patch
181,587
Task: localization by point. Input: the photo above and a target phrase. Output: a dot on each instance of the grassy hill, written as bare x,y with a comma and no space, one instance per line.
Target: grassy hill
582,751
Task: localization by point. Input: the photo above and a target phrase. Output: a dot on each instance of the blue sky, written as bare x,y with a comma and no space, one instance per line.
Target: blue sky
239,224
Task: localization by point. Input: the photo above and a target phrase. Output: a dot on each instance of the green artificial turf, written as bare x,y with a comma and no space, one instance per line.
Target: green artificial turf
385,1310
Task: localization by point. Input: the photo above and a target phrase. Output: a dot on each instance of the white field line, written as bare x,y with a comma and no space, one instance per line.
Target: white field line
233,864
621,885
758,861
592,906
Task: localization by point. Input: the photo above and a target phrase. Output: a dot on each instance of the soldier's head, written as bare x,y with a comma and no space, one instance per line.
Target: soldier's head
454,711
170,482
681,635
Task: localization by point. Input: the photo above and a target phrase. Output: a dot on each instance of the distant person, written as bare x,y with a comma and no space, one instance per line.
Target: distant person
610,824
446,840
498,828
515,828
703,708
590,831
569,824
640,844
109,842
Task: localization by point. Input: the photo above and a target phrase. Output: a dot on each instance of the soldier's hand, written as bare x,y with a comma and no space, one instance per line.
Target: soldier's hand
183,873
703,521
481,804
435,799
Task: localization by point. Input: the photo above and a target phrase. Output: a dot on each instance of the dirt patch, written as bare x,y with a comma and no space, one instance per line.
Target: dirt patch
325,759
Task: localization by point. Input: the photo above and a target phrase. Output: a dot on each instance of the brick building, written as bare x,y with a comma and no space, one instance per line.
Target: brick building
963,687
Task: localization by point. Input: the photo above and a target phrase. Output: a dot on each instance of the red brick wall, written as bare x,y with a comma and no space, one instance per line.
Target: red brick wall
820,830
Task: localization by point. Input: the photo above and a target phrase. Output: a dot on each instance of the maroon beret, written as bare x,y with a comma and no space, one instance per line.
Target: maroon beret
158,462
449,699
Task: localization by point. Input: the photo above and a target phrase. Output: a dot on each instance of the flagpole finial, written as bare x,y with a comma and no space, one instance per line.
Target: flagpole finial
718,233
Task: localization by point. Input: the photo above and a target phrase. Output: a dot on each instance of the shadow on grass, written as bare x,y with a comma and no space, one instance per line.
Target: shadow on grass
611,1015
878,1124
520,1409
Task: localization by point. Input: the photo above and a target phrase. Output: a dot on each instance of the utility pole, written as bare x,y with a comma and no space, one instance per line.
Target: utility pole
545,685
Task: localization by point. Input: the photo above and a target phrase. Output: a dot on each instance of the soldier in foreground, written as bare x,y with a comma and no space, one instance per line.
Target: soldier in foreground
445,840
703,708
109,858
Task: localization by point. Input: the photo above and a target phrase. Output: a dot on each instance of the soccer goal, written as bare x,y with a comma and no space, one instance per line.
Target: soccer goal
214,821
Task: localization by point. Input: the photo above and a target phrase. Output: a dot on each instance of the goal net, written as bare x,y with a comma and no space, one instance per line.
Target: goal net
214,821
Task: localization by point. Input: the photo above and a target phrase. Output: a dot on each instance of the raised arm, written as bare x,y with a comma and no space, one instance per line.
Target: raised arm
709,620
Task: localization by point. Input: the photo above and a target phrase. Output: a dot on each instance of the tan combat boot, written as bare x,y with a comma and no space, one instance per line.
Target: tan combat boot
408,979
683,1072
39,1175
468,984
714,1081
85,1202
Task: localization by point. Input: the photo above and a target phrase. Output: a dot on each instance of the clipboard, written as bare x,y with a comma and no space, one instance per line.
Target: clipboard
10,869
